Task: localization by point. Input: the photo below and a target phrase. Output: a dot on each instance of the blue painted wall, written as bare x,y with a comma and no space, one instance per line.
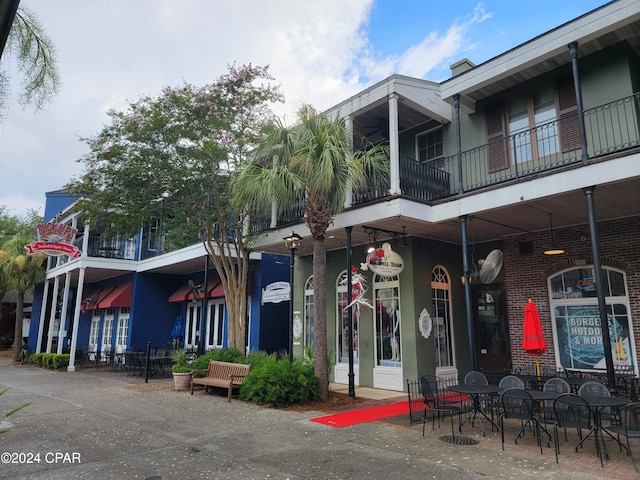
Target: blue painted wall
55,203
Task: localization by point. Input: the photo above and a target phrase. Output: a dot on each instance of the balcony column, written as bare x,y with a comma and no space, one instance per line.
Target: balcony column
76,321
394,152
456,106
602,304
467,293
62,331
43,315
348,122
573,51
52,317
85,241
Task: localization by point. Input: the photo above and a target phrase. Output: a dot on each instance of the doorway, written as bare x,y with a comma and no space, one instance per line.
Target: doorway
493,351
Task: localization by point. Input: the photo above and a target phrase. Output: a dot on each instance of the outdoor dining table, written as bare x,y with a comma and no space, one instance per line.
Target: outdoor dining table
475,392
597,404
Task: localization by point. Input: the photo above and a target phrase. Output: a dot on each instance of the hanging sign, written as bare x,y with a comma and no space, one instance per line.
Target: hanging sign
276,292
385,262
55,240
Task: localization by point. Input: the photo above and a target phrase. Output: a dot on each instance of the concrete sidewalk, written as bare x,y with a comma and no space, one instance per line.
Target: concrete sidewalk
86,425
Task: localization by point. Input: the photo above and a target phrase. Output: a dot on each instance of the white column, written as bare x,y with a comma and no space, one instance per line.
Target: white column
52,317
394,144
43,314
62,332
76,321
348,199
85,240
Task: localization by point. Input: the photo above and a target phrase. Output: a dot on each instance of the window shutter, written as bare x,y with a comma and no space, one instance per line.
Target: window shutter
497,145
568,124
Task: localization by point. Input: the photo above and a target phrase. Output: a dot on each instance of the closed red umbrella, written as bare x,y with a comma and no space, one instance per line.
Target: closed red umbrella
532,337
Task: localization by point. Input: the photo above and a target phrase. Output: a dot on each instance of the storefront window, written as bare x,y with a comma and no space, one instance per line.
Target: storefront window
342,301
576,320
387,318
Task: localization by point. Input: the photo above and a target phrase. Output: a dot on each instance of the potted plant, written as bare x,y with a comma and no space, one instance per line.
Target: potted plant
181,370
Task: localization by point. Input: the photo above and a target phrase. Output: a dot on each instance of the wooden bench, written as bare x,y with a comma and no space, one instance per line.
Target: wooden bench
221,374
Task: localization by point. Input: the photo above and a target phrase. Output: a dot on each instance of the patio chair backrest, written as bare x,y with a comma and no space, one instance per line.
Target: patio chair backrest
572,411
517,403
594,389
429,388
509,382
556,385
475,378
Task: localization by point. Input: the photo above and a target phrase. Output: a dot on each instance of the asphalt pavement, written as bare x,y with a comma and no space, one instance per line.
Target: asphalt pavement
101,425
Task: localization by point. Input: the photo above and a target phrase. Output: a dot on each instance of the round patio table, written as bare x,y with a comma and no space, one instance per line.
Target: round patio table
475,392
597,404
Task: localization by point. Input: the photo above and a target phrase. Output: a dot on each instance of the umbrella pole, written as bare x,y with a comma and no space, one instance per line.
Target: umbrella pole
538,369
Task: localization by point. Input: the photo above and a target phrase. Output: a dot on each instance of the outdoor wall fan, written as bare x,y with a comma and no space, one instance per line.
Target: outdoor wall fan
490,267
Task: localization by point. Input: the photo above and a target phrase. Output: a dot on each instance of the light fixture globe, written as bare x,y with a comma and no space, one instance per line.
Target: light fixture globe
292,241
553,250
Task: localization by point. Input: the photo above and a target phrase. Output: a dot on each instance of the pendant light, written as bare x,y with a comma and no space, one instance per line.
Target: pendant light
553,250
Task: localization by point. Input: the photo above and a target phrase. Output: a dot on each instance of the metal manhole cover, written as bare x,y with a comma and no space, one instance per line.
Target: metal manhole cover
458,440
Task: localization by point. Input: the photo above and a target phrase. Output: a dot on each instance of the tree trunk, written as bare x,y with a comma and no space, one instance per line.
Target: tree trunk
321,366
17,332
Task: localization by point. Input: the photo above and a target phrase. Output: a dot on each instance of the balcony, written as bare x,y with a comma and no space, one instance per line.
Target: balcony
610,128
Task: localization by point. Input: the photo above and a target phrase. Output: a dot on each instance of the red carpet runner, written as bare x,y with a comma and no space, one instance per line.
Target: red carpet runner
361,415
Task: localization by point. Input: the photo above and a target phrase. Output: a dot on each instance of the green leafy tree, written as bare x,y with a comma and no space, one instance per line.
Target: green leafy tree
170,159
12,225
22,272
312,162
35,56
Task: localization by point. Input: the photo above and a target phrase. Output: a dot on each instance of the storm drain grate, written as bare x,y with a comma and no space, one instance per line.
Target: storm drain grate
458,440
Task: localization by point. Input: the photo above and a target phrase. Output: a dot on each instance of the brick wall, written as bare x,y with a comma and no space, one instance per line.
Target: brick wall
526,274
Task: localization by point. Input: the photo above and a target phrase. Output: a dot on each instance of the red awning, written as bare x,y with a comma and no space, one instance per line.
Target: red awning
181,294
91,301
216,290
214,285
120,296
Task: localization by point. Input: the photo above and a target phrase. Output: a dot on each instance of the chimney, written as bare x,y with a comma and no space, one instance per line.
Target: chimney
461,67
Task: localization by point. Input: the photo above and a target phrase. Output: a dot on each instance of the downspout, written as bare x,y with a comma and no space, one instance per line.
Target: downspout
602,305
573,51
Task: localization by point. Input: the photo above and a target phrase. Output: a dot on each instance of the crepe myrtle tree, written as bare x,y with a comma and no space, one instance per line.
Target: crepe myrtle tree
311,162
169,159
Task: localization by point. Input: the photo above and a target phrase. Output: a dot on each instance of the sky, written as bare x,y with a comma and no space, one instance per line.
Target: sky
111,52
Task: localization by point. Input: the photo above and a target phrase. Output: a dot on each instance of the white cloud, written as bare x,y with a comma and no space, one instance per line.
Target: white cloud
111,51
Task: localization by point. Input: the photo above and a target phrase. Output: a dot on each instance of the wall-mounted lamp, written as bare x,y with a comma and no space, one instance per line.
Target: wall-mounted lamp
553,250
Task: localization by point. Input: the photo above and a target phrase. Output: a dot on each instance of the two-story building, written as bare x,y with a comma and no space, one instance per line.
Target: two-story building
123,294
534,150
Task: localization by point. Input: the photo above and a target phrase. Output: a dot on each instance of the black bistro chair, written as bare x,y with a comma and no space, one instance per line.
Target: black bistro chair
519,404
572,411
630,427
434,405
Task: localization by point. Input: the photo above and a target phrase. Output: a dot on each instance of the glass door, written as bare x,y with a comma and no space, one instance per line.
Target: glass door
493,352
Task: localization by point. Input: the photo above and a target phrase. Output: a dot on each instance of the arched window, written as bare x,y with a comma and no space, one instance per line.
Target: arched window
576,320
309,312
442,331
387,320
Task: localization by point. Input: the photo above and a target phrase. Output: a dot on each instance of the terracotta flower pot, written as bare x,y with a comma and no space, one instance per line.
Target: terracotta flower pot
182,381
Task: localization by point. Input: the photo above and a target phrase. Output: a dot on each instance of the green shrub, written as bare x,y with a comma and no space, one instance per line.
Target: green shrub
36,359
180,361
47,360
280,383
6,341
60,361
50,360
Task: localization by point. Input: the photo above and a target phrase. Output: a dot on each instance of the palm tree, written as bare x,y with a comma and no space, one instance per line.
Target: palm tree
22,272
312,162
